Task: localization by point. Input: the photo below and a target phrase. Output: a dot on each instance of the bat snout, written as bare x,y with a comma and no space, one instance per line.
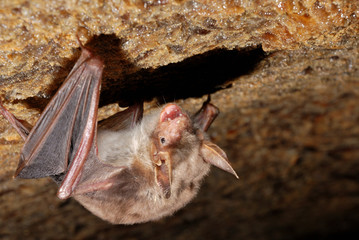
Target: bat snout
171,112
172,123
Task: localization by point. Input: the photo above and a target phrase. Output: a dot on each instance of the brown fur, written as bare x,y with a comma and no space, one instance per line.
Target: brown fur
135,195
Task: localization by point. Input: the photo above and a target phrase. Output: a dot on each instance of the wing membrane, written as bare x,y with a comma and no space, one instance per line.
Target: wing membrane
67,124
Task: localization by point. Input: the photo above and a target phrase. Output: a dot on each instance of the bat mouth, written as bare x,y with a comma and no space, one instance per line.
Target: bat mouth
171,112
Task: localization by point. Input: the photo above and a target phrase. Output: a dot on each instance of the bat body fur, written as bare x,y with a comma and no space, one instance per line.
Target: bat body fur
142,200
129,169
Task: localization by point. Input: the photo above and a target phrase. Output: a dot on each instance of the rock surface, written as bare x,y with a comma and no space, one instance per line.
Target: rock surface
285,75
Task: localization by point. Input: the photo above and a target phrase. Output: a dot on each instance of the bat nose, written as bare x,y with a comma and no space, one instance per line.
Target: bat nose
170,112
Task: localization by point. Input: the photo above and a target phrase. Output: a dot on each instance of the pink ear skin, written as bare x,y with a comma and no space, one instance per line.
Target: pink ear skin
206,115
210,152
214,155
163,172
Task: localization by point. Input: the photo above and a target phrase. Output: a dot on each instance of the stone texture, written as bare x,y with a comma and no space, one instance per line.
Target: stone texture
284,74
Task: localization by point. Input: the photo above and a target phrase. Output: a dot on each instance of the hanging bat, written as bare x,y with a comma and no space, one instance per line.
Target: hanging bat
130,168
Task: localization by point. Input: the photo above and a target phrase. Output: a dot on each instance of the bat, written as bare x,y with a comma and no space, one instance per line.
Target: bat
129,168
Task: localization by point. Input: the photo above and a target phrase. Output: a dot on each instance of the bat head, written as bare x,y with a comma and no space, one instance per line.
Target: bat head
176,132
172,125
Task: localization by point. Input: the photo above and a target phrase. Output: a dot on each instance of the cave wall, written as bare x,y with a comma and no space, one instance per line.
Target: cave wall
284,74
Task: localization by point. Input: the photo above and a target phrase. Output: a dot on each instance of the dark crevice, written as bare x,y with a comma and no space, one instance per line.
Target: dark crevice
126,83
194,77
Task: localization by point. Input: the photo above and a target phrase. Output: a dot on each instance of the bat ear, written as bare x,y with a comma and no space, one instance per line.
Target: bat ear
163,172
214,155
206,115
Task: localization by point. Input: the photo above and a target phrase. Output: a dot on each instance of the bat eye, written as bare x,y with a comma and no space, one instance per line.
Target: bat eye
163,140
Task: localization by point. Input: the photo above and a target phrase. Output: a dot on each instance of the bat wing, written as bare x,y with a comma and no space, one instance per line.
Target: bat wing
125,119
65,132
16,123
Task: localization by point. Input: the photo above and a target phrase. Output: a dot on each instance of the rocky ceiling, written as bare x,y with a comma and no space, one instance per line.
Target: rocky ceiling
285,75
